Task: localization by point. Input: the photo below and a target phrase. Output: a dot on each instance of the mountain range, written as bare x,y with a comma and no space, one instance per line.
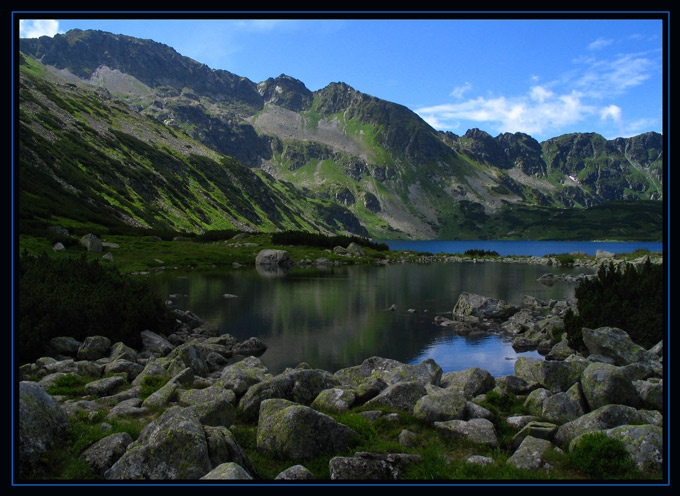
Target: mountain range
119,130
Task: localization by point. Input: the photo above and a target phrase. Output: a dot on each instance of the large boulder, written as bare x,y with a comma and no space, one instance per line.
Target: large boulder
469,382
275,258
391,372
606,417
615,344
42,423
605,384
92,243
483,307
213,405
172,447
439,406
644,443
553,375
530,455
105,452
94,348
299,432
479,431
300,385
400,396
370,466
561,408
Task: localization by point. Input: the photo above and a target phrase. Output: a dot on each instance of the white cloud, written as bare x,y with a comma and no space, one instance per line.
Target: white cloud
599,44
458,91
537,112
38,28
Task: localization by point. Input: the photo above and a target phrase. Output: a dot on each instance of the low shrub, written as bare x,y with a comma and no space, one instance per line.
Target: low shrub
601,457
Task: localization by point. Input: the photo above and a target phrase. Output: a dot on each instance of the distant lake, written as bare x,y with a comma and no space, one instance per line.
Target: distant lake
337,317
524,248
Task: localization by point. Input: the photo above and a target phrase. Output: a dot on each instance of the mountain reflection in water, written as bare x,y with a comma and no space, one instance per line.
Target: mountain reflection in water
338,316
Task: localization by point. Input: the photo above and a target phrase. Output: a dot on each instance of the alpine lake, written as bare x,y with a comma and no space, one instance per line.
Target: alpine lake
334,317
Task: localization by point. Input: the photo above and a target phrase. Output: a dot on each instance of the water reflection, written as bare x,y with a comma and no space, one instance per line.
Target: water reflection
339,316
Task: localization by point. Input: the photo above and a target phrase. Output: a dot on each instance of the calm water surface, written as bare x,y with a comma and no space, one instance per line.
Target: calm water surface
337,317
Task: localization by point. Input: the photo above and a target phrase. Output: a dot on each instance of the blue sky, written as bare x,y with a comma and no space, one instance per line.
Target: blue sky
544,77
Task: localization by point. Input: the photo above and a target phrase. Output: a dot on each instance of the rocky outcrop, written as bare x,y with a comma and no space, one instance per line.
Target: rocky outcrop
616,390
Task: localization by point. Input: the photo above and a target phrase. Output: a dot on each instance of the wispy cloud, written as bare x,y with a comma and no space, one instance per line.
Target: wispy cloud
38,28
585,92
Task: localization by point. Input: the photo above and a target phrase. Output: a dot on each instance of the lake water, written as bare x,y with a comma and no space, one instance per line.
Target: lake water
337,317
526,248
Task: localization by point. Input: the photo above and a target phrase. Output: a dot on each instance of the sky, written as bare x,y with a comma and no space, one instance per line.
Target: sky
541,76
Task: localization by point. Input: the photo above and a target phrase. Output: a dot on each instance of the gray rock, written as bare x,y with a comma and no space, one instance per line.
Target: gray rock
298,385
299,432
334,400
94,347
470,382
104,387
651,394
561,408
296,472
42,423
212,405
480,431
605,384
172,447
122,366
644,443
105,452
553,375
92,243
277,258
370,466
241,375
155,343
223,447
447,404
227,471
616,344
536,429
529,455
401,396
483,307
604,418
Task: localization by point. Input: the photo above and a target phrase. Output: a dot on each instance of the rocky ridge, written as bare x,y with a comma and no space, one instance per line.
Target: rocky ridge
616,387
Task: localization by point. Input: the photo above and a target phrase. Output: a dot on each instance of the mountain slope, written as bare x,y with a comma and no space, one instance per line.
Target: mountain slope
84,155
377,159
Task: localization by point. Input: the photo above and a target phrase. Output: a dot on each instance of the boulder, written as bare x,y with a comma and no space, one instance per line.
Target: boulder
223,447
94,347
241,375
296,472
213,405
64,345
92,243
391,372
299,432
483,307
644,443
42,423
529,455
276,258
172,447
605,384
480,431
615,344
469,382
227,471
605,417
370,466
155,343
105,452
447,404
104,387
561,408
334,400
400,396
553,375
298,385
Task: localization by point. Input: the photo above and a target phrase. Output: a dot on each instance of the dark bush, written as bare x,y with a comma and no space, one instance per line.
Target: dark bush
79,298
626,297
601,457
481,253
